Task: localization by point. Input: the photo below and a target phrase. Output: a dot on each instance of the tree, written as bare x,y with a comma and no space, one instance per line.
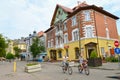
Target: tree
9,56
3,46
37,47
17,52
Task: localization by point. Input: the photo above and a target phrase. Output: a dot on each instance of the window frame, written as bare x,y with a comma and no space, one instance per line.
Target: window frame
87,15
74,21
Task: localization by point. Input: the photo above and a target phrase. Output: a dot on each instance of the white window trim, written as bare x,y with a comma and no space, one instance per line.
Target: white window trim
65,26
107,33
66,39
87,16
48,43
74,22
73,34
51,43
85,31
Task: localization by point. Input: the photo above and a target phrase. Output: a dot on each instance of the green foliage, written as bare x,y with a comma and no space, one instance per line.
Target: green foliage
31,64
36,47
10,56
111,59
93,54
3,46
17,52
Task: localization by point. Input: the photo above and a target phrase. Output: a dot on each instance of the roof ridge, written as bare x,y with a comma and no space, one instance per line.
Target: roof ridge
66,9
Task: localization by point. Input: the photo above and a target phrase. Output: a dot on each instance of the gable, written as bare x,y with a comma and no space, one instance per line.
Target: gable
60,15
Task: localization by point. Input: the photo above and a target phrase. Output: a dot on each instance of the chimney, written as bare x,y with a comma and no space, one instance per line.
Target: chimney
78,2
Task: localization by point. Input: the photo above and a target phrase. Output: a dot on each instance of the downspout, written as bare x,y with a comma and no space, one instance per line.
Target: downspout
97,35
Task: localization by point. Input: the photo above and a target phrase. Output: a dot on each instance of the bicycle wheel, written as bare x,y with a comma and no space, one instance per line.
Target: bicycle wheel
80,69
70,70
63,68
87,72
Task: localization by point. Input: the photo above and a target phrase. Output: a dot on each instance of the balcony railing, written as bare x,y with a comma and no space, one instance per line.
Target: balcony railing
59,33
59,46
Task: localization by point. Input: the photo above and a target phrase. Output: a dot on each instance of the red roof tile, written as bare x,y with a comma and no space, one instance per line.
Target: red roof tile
66,9
40,33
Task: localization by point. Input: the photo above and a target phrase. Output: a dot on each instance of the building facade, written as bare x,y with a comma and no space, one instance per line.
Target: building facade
20,43
81,30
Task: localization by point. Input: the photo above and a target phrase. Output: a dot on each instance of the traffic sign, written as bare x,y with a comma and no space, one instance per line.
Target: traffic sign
117,50
116,43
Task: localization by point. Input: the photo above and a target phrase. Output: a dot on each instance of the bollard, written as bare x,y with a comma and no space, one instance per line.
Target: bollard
14,67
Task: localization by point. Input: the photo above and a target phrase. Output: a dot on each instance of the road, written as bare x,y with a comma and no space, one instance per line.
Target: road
52,71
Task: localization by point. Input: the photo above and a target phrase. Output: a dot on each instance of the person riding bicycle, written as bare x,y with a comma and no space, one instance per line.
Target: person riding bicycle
65,60
82,61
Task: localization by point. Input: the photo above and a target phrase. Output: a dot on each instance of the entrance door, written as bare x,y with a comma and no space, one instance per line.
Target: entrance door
53,54
89,52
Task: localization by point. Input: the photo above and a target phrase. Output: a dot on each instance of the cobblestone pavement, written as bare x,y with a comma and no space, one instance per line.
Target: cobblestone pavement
53,71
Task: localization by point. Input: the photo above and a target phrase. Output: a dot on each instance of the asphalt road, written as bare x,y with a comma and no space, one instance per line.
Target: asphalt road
52,71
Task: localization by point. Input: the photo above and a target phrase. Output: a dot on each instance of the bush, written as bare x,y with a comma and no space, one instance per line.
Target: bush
31,64
112,59
10,56
93,54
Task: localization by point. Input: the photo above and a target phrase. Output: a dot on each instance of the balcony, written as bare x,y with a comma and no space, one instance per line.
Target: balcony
59,46
59,33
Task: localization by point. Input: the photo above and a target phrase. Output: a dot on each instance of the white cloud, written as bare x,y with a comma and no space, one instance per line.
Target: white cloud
20,17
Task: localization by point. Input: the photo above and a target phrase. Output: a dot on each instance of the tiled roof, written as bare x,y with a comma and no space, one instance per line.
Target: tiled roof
83,4
40,33
66,9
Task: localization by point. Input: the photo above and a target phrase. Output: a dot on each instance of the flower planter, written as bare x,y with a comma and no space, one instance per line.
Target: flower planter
94,62
33,68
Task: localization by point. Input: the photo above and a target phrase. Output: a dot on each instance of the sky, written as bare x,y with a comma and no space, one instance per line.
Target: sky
19,18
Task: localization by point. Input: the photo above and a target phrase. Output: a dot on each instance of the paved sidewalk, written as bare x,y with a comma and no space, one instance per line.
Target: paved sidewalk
51,71
105,66
109,66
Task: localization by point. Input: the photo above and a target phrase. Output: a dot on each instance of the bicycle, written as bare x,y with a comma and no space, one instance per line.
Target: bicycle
84,67
66,67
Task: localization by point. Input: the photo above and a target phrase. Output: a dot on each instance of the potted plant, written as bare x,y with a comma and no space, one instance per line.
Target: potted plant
32,67
94,60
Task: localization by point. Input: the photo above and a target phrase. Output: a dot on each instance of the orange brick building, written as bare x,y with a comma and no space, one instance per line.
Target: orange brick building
81,30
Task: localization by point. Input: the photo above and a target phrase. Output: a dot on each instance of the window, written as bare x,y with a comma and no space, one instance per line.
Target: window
48,44
56,41
66,38
51,42
107,33
76,53
65,26
103,51
67,54
59,54
87,15
89,31
73,20
75,34
105,19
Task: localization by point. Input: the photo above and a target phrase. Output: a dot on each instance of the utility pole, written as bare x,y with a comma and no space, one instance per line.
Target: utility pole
79,34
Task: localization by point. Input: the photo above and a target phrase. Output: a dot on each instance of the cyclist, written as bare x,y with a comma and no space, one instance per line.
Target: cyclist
65,60
81,61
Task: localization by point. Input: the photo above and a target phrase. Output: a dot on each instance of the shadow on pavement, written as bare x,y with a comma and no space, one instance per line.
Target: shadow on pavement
114,77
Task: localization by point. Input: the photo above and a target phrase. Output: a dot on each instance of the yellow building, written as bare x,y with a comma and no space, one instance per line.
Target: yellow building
20,43
10,47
